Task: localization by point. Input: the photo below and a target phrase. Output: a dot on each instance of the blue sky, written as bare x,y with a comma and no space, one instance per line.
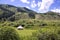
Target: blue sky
41,6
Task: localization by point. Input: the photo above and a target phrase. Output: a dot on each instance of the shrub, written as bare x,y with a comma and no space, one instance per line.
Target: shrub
48,37
47,34
8,33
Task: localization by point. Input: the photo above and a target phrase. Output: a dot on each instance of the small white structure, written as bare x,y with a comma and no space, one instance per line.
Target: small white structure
20,27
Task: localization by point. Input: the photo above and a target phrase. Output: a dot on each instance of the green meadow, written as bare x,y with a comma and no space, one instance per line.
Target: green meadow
35,29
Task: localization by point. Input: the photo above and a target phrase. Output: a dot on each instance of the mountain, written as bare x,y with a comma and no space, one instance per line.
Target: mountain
48,16
12,13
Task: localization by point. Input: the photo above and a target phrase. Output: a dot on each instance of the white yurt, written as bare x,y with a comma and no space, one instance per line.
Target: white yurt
20,27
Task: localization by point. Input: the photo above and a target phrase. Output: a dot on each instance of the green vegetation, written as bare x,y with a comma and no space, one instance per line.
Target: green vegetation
8,33
48,33
43,26
36,29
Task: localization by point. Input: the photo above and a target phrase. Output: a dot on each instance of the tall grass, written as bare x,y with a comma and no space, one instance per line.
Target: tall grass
36,29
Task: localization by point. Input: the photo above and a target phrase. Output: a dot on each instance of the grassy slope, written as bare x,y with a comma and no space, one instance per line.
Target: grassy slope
26,32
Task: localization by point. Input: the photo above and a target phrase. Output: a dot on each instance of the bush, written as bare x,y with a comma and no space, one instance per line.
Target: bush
47,34
48,37
8,33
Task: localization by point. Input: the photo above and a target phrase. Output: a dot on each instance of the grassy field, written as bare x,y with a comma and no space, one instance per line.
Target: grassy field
35,29
26,32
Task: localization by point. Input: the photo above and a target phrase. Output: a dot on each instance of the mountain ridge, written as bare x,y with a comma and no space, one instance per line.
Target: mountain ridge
12,13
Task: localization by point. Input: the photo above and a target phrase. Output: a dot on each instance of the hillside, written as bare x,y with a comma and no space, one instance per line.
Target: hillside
48,16
12,13
8,12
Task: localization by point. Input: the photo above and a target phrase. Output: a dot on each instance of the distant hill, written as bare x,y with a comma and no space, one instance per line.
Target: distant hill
49,16
12,13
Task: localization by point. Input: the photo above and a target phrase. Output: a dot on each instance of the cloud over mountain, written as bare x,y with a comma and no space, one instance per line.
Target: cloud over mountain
25,1
37,5
44,5
33,4
56,10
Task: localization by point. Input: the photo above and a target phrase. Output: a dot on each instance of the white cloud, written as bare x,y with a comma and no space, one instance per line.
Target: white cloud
56,10
27,7
12,0
33,4
39,4
25,1
44,5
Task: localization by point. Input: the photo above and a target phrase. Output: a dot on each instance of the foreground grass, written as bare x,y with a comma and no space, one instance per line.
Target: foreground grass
26,32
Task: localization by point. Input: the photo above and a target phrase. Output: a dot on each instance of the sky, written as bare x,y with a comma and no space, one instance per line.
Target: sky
40,6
